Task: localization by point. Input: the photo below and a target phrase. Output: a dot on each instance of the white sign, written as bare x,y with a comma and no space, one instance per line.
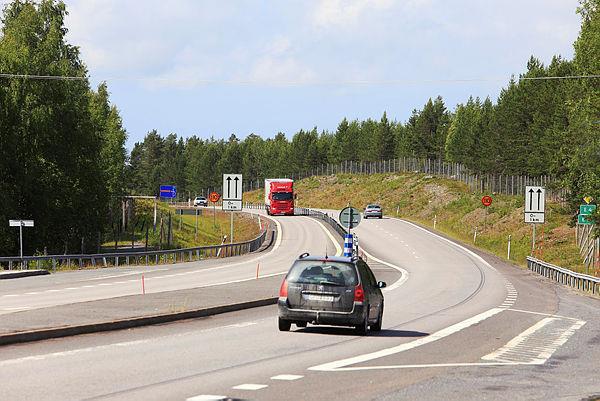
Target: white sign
20,223
533,217
535,199
232,205
232,187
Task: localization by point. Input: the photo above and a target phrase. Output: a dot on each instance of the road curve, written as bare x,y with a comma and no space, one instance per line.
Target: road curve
298,234
460,327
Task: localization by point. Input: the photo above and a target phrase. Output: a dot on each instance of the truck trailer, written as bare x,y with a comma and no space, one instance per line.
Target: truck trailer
279,196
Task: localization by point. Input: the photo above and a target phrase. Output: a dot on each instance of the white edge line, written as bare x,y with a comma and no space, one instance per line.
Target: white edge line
450,242
333,366
403,272
338,248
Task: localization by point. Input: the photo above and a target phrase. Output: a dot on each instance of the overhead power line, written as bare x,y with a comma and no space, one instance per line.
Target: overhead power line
293,83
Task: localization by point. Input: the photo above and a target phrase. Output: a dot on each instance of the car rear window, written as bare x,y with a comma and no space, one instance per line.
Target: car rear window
373,207
323,272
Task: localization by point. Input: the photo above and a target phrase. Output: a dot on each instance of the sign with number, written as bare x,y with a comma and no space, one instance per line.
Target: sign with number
214,197
486,200
586,209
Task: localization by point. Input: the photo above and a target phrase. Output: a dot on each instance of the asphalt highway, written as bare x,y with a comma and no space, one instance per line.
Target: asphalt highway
457,325
299,234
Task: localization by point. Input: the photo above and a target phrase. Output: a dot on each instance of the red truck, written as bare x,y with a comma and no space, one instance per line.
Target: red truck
279,196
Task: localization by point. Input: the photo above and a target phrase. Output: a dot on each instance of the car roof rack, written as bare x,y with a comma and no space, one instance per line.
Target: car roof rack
302,256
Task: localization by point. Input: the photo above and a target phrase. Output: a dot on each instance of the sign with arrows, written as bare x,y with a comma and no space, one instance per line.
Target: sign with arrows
535,204
232,192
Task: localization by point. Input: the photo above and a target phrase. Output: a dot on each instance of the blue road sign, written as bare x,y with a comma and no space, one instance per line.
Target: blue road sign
168,191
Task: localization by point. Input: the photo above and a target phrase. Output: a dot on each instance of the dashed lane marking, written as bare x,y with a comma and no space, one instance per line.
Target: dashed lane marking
207,397
250,386
287,377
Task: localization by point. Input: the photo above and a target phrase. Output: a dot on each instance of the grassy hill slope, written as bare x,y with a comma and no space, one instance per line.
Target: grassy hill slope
457,211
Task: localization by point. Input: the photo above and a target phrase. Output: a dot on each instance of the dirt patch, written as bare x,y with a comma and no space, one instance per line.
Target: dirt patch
439,195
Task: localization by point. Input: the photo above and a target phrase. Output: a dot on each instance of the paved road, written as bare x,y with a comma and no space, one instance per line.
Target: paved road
456,326
299,234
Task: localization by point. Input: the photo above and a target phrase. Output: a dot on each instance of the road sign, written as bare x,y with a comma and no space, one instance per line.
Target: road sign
583,219
486,200
20,223
587,199
232,204
534,217
214,197
168,191
535,199
586,209
349,217
232,187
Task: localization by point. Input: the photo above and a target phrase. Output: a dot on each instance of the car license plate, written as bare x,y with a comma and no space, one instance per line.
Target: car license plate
322,298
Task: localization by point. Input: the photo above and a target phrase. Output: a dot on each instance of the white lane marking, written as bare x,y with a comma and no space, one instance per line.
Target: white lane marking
403,272
275,247
125,344
250,386
338,248
31,293
434,365
479,258
342,364
122,275
287,377
207,397
542,314
536,344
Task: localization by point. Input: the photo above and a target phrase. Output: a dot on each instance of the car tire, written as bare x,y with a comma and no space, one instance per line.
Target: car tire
363,328
377,325
284,325
380,217
301,324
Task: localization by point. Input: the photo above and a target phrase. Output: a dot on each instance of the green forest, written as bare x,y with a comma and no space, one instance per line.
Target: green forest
63,160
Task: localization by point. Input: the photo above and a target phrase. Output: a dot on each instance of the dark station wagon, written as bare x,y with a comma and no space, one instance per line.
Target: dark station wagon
338,291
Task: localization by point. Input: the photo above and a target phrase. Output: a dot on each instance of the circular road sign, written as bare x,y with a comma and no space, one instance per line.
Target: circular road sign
486,200
350,216
214,197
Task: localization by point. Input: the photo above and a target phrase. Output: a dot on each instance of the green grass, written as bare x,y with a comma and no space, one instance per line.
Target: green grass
420,198
211,228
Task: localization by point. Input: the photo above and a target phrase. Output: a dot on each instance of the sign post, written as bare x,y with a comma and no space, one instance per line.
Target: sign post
349,217
214,198
232,195
535,208
20,224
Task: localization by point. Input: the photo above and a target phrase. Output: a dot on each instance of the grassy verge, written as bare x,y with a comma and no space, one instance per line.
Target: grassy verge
212,226
456,210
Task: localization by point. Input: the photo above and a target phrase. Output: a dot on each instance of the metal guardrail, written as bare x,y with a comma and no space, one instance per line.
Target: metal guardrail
128,258
322,216
564,276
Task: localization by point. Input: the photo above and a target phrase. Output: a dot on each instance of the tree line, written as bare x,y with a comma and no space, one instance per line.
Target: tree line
64,164
62,143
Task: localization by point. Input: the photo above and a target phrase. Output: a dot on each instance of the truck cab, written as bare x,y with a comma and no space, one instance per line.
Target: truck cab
279,196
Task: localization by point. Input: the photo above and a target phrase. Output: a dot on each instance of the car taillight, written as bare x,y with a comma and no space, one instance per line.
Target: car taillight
283,290
359,294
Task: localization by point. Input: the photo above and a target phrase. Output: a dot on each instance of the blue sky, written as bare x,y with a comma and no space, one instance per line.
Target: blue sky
212,68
